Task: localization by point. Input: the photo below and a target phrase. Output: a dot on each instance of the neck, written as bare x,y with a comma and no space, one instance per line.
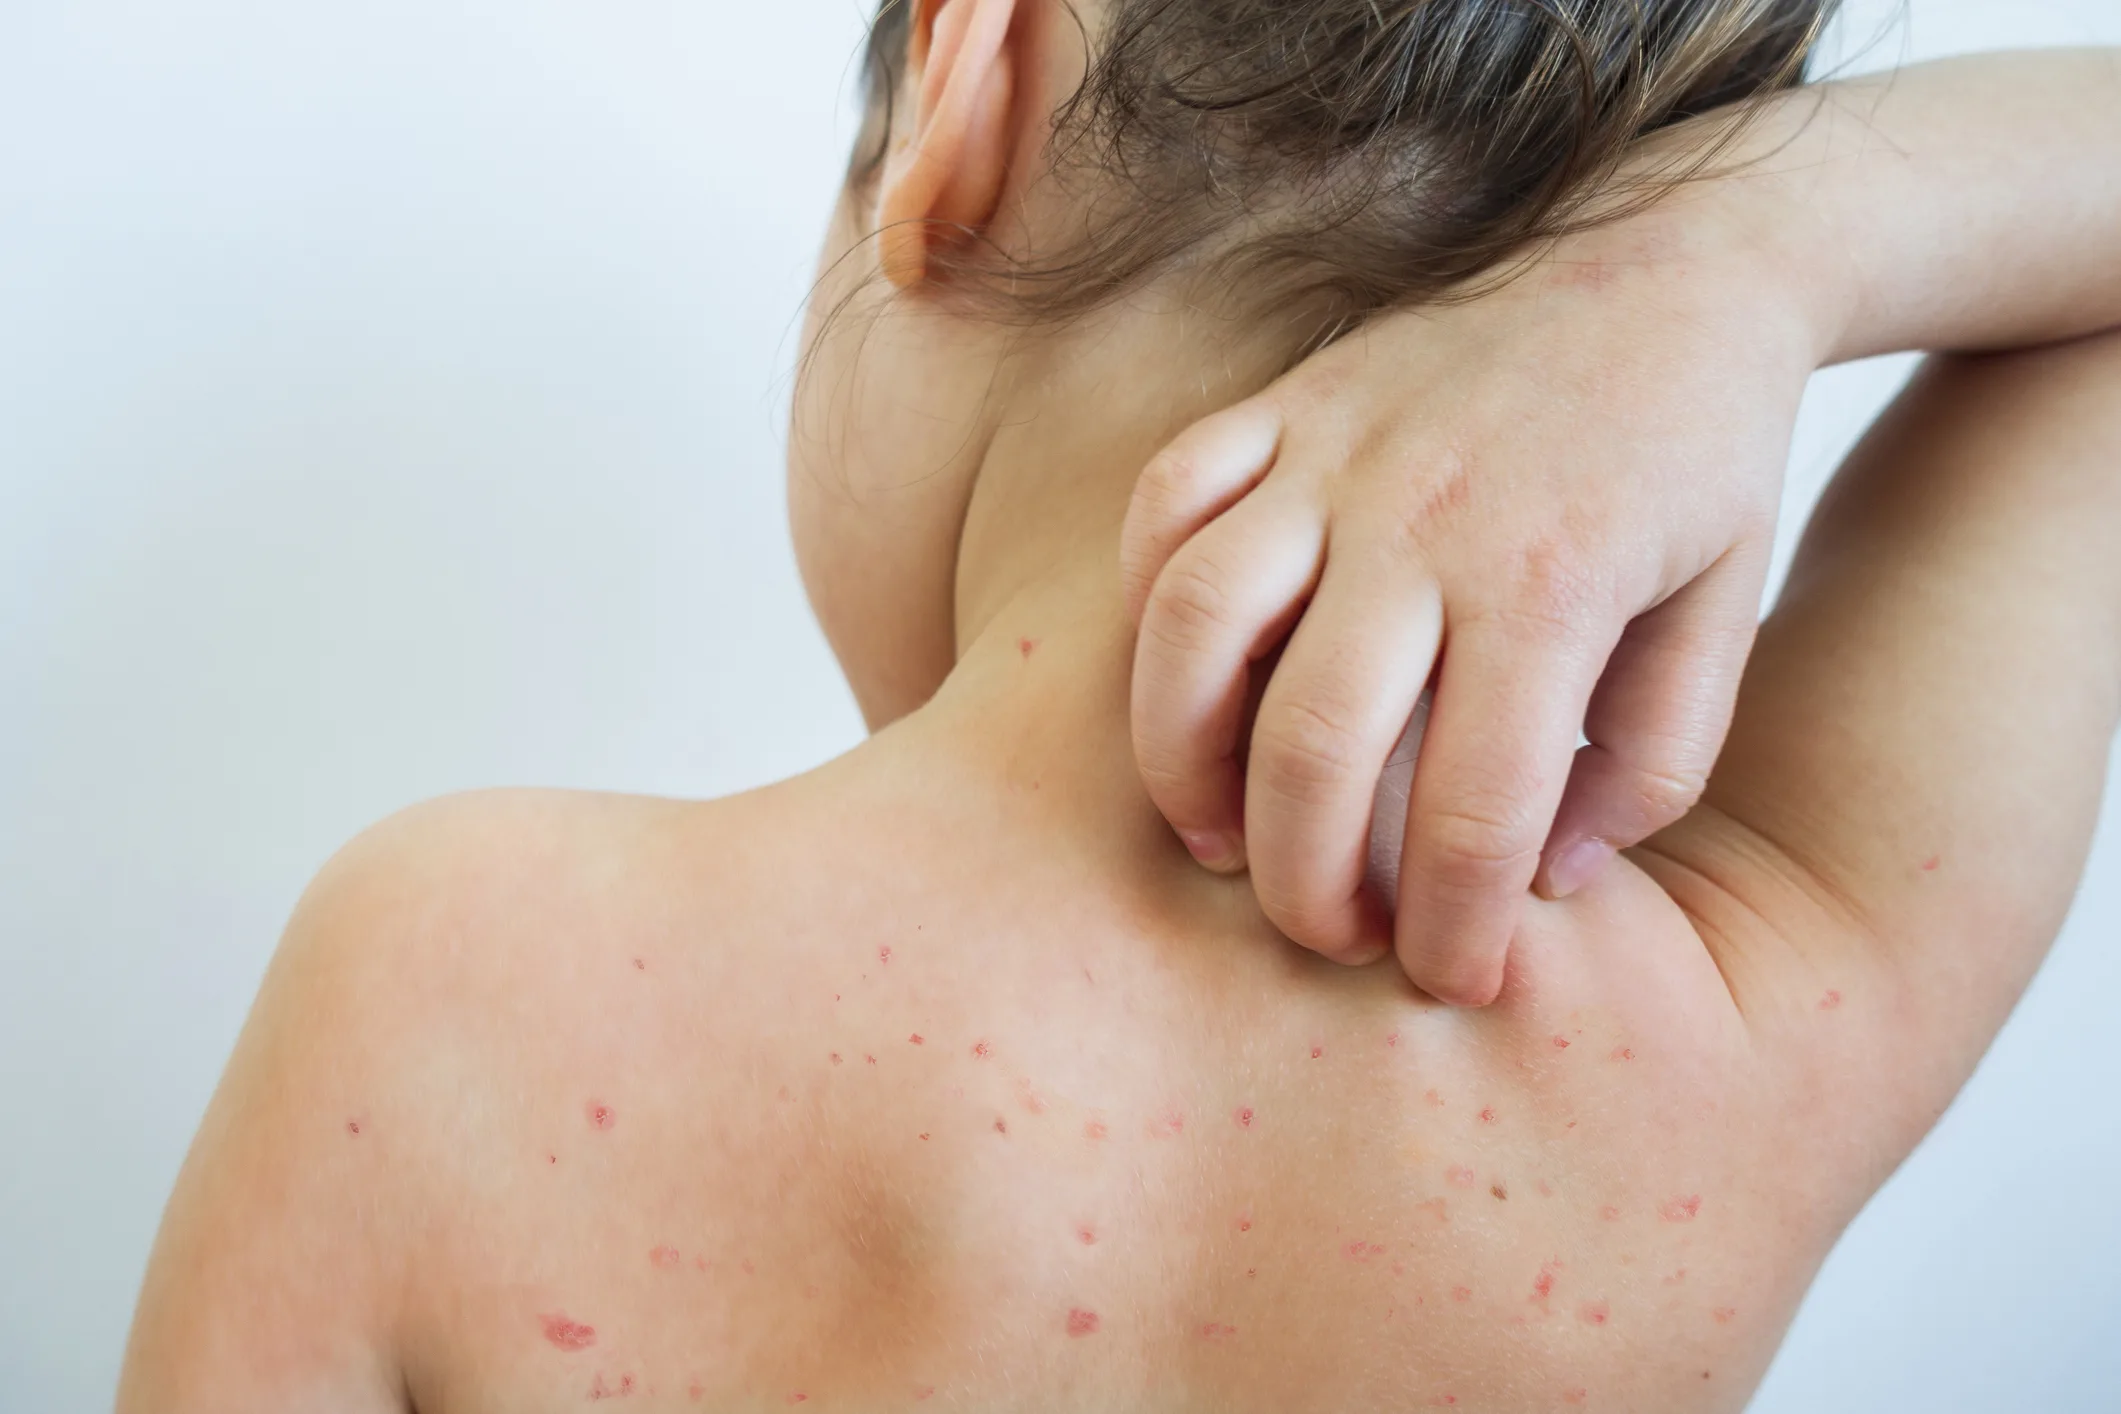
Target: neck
1038,700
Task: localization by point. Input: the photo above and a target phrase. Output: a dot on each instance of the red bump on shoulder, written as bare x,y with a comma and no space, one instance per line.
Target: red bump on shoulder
1681,1210
568,1335
1082,1323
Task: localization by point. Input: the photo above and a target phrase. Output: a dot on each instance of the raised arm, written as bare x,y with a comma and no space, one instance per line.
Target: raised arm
1556,501
1899,821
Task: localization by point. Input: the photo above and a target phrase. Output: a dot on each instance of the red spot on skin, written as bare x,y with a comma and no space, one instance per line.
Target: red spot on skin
1082,1323
1001,1126
1461,1293
917,1039
1436,1208
1243,1117
565,1334
1830,1002
1027,646
925,1392
701,1263
1087,1235
1561,1043
1545,1191
1362,1251
1251,1271
1095,1129
1596,1313
1460,1175
640,965
798,1398
836,1060
1168,1125
870,1059
1610,1214
1575,1396
982,1051
1543,1287
1487,1116
1724,1315
1501,1193
924,1138
1317,1052
749,1270
552,1158
883,955
1031,1100
1681,1210
1676,1278
695,1389
601,1117
667,1258
1434,1098
1244,1223
1216,1331
353,1127
1623,1053
1929,865
1393,1039
1444,1401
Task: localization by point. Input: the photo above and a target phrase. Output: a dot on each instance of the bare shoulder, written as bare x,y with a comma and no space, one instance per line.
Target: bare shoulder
459,987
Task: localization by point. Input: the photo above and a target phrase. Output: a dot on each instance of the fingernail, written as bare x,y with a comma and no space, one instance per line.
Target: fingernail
1214,850
1576,866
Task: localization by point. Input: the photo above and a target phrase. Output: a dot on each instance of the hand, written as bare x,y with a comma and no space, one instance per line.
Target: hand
1555,504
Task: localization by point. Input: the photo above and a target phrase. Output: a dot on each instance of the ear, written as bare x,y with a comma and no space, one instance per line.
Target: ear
945,174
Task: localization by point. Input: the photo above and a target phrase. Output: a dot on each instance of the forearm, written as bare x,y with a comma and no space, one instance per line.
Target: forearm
1969,204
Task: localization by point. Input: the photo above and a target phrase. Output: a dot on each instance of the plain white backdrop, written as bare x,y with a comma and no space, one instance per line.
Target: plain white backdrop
390,404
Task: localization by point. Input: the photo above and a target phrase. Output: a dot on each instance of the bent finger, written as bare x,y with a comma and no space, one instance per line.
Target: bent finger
1205,471
1490,776
1224,599
1338,702
1656,721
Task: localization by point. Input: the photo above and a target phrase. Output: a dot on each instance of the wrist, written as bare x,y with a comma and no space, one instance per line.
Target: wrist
1759,231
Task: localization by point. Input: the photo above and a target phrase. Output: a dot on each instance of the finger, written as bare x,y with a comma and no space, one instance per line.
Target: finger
1339,701
1491,772
1656,721
1205,471
1225,598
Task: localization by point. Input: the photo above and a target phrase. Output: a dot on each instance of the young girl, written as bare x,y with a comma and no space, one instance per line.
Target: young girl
942,1077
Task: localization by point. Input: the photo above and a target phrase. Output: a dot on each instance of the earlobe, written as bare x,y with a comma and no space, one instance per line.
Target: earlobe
947,173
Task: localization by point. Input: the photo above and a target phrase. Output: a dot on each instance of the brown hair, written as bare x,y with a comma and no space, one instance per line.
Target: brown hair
1379,152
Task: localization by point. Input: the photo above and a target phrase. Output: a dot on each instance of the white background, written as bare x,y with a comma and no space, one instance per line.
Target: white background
389,405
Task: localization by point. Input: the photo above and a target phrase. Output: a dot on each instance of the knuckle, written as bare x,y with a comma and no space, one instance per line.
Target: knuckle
1669,791
1192,602
1550,589
1479,842
1302,915
1165,481
1445,490
1305,751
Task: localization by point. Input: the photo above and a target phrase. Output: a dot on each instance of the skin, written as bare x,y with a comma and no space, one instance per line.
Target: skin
554,1098
1570,526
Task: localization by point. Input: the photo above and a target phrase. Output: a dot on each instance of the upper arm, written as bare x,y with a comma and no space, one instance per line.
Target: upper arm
271,1284
1904,805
